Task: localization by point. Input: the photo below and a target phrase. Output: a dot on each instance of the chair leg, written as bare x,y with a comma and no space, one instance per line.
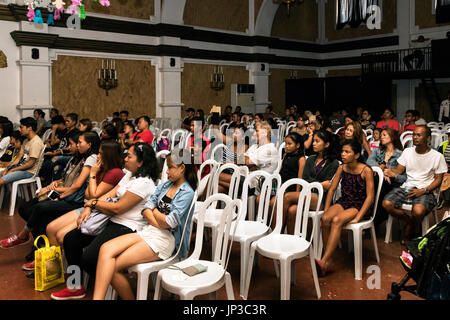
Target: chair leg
245,248
293,277
374,238
212,295
357,242
285,276
350,242
314,274
388,237
2,195
425,224
157,295
25,192
142,285
229,286
13,199
277,268
213,242
248,274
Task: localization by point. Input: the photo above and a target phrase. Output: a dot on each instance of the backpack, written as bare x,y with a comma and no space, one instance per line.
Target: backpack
162,144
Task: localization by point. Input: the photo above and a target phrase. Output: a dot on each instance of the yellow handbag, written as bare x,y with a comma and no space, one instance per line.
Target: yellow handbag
48,266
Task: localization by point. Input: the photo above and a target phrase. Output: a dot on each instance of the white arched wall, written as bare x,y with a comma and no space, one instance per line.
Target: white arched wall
265,18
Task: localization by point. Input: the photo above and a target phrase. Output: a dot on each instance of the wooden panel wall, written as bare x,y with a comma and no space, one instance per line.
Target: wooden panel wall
226,15
388,23
75,89
139,9
301,24
277,87
424,15
195,85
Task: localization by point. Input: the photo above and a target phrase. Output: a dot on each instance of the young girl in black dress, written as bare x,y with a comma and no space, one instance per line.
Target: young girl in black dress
357,189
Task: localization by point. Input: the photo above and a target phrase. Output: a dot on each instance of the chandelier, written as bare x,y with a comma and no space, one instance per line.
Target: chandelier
217,79
107,77
289,3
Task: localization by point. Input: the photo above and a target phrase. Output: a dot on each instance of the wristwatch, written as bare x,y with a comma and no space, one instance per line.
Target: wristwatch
94,203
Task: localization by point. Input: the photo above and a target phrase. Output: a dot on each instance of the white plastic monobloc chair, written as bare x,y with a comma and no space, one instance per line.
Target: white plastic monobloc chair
247,230
163,154
406,134
46,135
357,229
144,270
218,152
178,136
172,279
34,183
285,247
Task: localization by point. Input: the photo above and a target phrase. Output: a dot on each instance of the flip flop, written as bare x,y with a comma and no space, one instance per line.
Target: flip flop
320,270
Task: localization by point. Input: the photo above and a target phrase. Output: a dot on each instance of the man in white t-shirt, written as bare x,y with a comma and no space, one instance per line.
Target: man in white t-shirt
264,154
445,110
425,169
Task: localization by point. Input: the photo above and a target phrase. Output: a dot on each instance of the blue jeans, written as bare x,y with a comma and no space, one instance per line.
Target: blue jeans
16,176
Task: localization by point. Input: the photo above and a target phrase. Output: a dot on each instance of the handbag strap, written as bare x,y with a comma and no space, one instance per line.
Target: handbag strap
47,243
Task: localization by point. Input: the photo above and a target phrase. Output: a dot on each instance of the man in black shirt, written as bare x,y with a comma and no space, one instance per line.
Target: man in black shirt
190,112
227,115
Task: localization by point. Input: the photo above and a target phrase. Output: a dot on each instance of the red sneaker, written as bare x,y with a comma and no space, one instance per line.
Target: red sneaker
29,266
12,241
67,294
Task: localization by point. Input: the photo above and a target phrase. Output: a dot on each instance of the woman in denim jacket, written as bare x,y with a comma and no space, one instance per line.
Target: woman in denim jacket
386,157
166,212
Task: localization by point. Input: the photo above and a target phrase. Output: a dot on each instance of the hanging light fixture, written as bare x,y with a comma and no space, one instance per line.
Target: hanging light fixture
288,4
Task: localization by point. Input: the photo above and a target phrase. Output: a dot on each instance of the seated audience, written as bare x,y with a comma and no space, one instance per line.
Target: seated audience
31,153
128,132
409,123
388,121
320,167
386,157
366,121
85,125
109,133
103,177
124,204
376,139
39,116
166,213
124,115
353,131
6,131
425,169
190,113
263,155
355,203
144,134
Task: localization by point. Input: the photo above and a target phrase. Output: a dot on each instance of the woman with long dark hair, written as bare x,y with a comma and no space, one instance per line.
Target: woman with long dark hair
320,167
357,189
124,204
103,177
166,214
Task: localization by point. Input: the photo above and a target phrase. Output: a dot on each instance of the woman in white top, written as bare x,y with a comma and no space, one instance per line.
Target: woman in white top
264,154
124,204
6,131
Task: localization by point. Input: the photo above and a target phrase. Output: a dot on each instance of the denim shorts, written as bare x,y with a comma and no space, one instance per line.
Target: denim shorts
398,197
16,176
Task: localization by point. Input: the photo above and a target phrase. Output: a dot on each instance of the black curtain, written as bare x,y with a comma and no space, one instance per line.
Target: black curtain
353,12
443,11
305,93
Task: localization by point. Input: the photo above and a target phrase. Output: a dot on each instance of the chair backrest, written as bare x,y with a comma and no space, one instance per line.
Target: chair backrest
179,135
166,133
213,170
224,127
46,135
432,124
280,157
377,190
163,154
186,139
235,178
303,205
436,139
406,134
407,142
289,127
336,132
218,152
369,138
223,228
40,161
368,132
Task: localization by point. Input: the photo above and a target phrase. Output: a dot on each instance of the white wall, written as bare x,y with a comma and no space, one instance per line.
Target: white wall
10,76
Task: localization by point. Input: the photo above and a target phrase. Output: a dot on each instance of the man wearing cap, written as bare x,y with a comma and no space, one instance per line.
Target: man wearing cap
190,112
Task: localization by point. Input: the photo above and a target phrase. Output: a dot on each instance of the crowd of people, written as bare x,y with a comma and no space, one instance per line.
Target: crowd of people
115,172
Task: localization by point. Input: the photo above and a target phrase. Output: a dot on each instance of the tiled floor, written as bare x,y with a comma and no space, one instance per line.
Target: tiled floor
339,285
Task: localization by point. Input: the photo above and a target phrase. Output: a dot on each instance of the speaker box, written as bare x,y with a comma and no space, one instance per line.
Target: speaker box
35,53
172,62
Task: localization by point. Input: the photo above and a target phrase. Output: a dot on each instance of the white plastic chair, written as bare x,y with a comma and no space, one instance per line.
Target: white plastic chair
336,132
46,135
406,134
224,127
437,139
144,270
408,207
407,142
179,135
218,153
163,154
286,247
175,281
432,124
368,132
166,133
248,231
357,229
280,157
34,183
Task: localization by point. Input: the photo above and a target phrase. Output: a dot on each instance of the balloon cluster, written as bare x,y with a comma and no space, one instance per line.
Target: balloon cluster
56,9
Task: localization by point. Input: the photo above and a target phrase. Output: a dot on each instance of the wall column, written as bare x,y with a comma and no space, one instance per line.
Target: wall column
259,76
35,75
